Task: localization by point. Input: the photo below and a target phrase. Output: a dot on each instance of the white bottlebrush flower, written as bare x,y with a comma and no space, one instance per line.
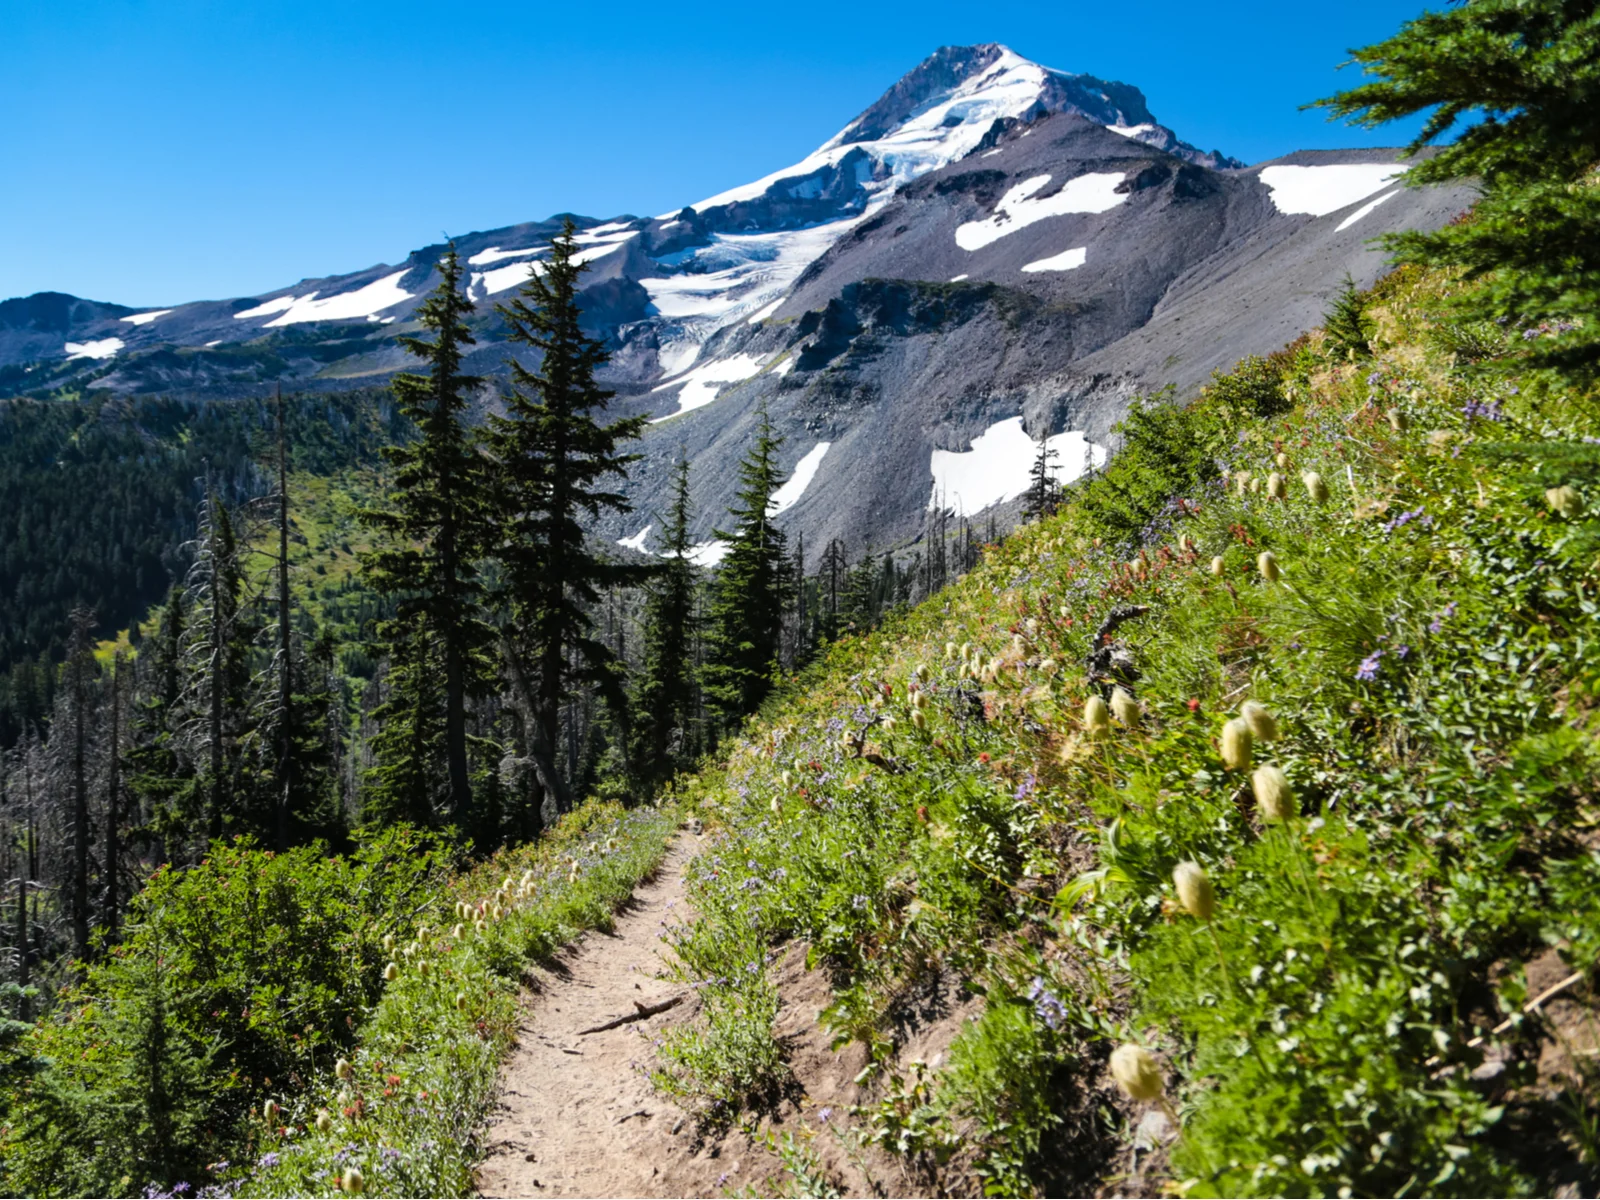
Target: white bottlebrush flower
1124,707
269,1111
1236,744
1096,717
1218,567
1274,796
1282,461
391,972
1263,725
1267,564
1194,890
1566,501
919,719
1398,421
1276,487
324,1120
1136,1073
343,1069
388,943
1048,667
461,1001
1316,488
353,1181
458,931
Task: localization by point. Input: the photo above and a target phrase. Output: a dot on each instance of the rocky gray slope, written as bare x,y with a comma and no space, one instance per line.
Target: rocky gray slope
992,252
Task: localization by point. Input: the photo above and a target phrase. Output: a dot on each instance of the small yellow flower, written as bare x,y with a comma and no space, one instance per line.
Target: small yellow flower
1136,1073
1194,890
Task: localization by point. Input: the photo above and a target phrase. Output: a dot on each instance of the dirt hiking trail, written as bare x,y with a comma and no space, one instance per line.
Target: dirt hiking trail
577,1115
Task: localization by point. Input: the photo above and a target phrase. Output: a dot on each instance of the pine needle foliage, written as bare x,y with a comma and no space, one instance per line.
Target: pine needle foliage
666,699
746,618
554,465
435,529
1520,79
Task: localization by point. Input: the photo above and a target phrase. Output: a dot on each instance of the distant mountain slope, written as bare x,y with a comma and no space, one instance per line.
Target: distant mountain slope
991,239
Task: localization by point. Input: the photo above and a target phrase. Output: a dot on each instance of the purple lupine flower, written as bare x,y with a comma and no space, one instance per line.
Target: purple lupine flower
1368,670
267,1161
1024,787
1402,650
1047,1006
1437,624
1489,410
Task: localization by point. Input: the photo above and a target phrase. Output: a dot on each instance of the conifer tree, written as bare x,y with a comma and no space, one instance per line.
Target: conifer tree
1348,327
1522,77
554,463
1044,493
435,531
216,667
745,624
156,774
405,782
666,701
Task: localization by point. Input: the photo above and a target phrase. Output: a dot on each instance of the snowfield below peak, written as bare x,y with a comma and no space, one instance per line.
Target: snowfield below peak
1317,191
1017,209
996,469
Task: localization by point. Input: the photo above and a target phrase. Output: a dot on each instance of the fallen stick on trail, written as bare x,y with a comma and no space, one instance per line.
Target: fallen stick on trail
643,1011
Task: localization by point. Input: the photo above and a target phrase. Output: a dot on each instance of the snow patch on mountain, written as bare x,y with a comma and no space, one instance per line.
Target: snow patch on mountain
1094,192
795,487
102,348
636,542
1365,210
145,318
996,468
1067,260
708,554
489,283
346,306
494,254
701,385
1320,190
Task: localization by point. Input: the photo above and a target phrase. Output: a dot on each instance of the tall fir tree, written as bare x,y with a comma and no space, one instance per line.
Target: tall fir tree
555,463
435,531
665,700
745,624
216,667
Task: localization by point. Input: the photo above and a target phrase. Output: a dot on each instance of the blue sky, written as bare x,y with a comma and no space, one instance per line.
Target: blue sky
157,151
